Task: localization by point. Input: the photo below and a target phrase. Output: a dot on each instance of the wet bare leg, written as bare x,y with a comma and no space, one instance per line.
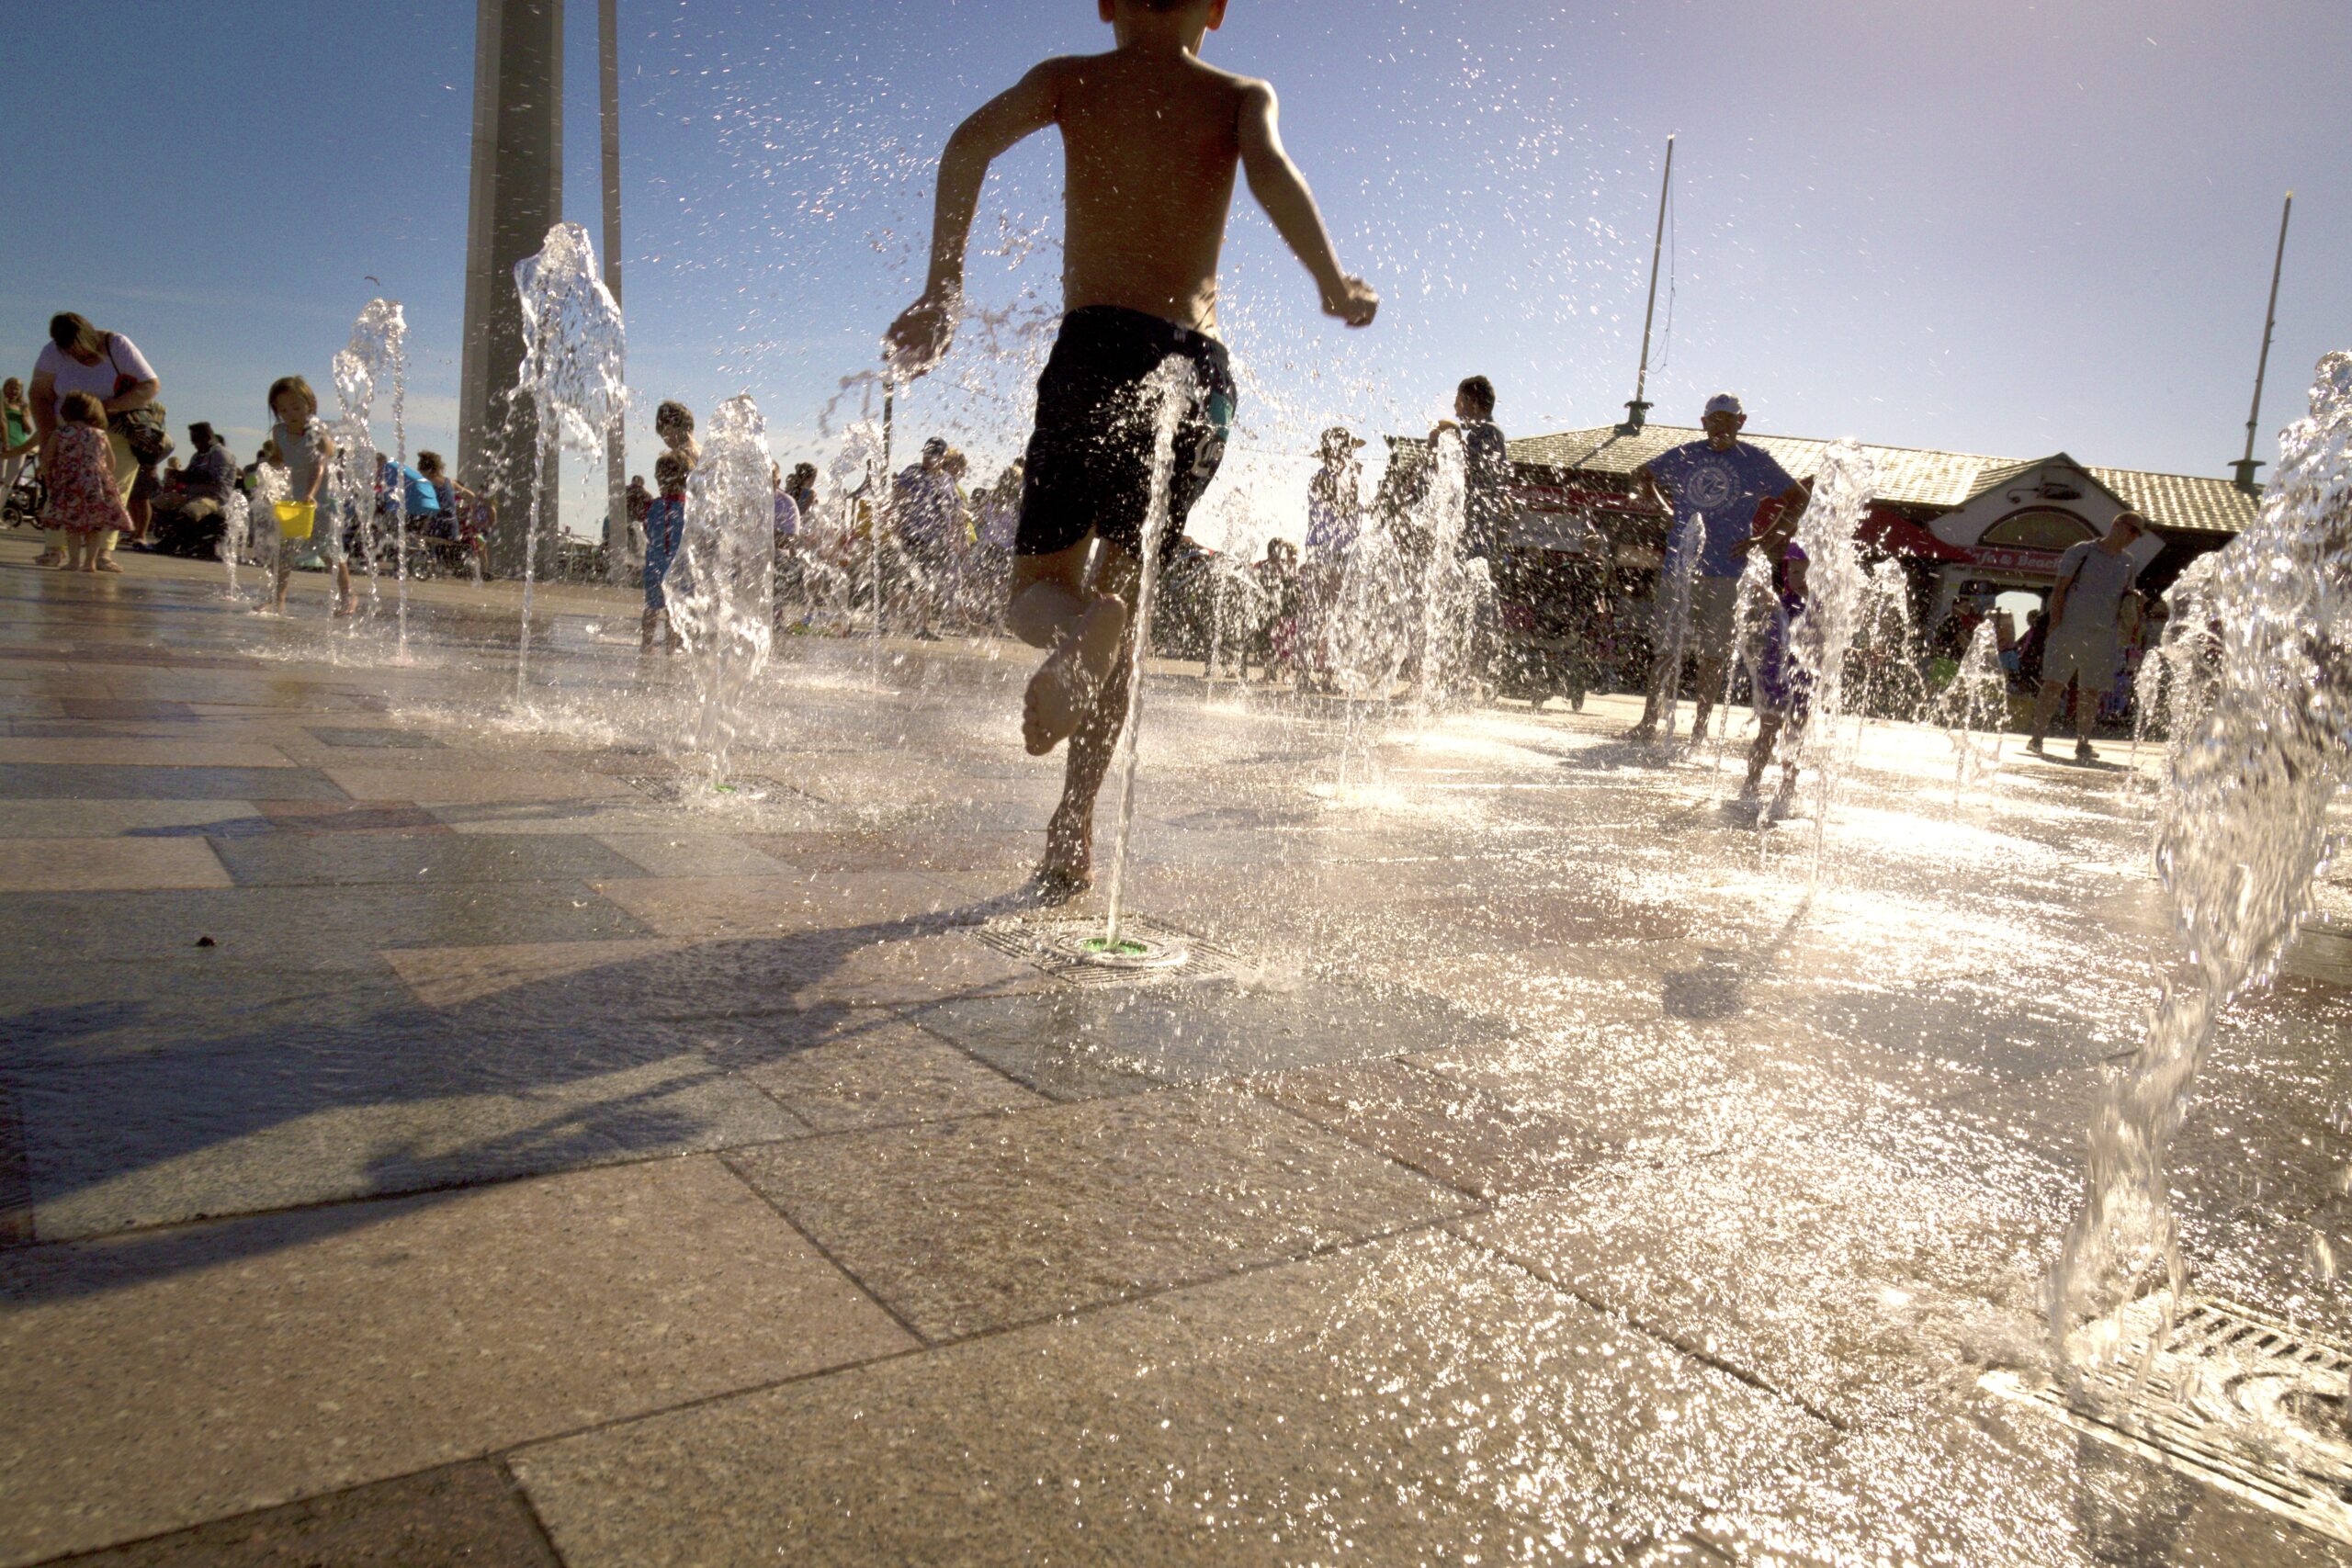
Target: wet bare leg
1068,869
2045,707
1082,621
1711,680
1767,730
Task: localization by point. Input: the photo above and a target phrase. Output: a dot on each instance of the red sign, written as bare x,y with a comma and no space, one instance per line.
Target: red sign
2004,557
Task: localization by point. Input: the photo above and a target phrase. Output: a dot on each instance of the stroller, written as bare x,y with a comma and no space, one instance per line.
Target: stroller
21,507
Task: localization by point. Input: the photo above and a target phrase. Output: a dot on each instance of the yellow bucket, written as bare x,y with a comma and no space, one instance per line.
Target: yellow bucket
294,518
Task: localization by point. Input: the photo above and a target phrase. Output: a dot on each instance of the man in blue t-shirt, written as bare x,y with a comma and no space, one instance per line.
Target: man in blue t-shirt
1716,484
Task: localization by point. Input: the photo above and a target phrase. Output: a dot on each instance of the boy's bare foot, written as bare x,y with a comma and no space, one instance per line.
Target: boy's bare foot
106,563
1053,886
1067,871
350,606
1642,733
1063,686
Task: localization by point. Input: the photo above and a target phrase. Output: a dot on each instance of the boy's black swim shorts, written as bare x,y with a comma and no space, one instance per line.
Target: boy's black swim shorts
1089,460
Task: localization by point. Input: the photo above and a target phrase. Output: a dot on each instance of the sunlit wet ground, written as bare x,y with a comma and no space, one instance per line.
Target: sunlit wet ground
433,1126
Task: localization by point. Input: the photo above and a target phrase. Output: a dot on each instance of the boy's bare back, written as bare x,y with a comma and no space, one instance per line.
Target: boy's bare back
1151,138
1151,144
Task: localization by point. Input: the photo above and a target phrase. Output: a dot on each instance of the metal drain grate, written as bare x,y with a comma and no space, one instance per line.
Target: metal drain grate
2231,1398
1052,943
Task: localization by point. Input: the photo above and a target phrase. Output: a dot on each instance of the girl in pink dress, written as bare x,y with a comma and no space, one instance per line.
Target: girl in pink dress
78,467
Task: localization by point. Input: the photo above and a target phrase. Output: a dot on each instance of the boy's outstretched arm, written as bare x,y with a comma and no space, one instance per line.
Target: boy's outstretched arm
923,331
1282,190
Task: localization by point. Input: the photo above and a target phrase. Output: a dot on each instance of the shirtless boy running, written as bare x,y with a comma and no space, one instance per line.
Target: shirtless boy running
1150,138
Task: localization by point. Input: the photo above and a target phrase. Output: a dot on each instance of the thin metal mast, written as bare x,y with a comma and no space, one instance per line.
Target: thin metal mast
2247,464
1635,410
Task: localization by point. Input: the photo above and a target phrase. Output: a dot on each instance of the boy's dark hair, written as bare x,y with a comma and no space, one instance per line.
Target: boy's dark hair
74,334
200,436
669,472
429,464
673,413
1480,391
80,408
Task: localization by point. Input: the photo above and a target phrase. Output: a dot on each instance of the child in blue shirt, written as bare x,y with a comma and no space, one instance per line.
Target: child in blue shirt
665,526
1783,685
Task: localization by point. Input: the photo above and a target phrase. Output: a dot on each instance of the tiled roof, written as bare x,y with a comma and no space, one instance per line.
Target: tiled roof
2182,500
1907,475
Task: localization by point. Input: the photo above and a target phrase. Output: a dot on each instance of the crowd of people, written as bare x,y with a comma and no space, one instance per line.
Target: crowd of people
88,454
945,559
1052,550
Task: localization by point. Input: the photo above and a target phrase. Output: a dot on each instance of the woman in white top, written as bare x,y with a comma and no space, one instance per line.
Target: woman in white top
303,444
109,367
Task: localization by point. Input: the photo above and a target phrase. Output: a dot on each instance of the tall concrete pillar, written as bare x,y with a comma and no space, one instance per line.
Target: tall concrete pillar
622,554
517,196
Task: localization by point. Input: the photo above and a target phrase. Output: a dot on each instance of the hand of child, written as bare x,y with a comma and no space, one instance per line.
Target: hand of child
918,339
1353,302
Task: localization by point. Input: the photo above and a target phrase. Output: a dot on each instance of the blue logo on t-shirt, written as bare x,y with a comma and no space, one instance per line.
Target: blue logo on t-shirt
1722,488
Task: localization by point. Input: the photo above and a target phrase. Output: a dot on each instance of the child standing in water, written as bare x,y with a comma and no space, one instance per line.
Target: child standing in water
301,439
666,528
1151,138
1784,687
78,467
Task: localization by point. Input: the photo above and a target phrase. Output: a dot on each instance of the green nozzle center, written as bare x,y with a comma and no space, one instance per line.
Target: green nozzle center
1121,948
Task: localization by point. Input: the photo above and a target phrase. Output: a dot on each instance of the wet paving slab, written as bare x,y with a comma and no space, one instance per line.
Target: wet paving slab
1414,1401
439,1128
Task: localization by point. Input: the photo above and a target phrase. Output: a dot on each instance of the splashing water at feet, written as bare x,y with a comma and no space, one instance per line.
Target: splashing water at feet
1833,588
376,358
1171,388
236,528
2242,836
1974,712
572,344
721,588
1888,642
1672,636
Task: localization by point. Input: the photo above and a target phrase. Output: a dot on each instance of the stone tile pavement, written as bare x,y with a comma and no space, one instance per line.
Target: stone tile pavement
436,1132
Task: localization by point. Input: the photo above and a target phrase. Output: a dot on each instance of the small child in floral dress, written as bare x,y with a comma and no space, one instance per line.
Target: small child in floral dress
78,467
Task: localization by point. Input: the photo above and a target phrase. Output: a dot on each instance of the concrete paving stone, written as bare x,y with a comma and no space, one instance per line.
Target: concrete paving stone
92,781
98,865
739,907
1981,1481
461,976
396,739
419,860
996,859
910,966
178,753
404,1100
1466,1137
1191,1032
964,1226
95,1007
435,786
313,1351
692,854
1400,1403
634,814
1860,1274
348,816
462,1516
889,1075
325,926
124,708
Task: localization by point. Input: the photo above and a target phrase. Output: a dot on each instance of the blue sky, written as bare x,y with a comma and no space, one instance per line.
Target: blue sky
2009,226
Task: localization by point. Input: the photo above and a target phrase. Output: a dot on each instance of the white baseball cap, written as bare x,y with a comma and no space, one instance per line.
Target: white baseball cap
1723,402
